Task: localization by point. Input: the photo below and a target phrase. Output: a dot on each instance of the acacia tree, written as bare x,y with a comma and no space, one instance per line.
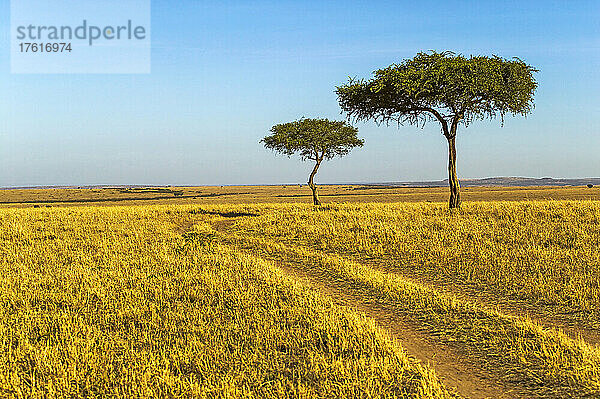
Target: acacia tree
444,87
314,139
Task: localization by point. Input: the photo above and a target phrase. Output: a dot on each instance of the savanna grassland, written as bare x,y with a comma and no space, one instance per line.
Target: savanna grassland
110,196
391,299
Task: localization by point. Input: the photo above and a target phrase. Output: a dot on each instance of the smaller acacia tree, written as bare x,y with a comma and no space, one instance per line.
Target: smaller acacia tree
314,139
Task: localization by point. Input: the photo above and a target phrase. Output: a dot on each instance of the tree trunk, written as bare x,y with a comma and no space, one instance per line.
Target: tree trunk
452,177
312,184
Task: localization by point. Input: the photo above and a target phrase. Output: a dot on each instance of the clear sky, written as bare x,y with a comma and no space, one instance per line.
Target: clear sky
224,72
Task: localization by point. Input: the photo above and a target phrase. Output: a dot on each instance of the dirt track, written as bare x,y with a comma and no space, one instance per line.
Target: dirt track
455,370
461,372
454,367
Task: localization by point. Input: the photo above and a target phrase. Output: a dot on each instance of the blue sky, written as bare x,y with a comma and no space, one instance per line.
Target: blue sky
224,72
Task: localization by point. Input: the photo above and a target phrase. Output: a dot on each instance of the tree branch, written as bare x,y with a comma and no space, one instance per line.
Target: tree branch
454,126
439,117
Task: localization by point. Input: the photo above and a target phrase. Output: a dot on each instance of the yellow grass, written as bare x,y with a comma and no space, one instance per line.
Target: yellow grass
545,253
101,302
199,299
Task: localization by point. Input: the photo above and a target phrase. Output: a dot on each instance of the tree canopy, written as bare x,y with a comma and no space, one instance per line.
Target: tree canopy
314,139
449,88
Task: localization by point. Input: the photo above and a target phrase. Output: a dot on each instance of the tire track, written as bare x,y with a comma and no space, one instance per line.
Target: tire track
455,368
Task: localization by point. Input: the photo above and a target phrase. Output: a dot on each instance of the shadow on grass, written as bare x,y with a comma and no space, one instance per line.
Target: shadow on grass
224,214
117,199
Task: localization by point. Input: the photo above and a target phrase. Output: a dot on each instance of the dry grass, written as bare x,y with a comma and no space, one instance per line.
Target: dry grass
544,362
544,253
112,302
189,300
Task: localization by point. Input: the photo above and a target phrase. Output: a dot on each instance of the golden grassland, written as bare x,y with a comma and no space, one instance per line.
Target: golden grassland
239,300
545,253
99,302
542,254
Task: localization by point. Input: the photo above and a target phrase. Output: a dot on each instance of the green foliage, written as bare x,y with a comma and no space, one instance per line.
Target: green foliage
443,86
314,139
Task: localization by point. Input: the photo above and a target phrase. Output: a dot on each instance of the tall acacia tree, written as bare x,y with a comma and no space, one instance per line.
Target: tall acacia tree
444,87
314,139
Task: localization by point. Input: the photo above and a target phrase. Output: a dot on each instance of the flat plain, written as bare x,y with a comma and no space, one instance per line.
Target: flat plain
296,193
251,292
